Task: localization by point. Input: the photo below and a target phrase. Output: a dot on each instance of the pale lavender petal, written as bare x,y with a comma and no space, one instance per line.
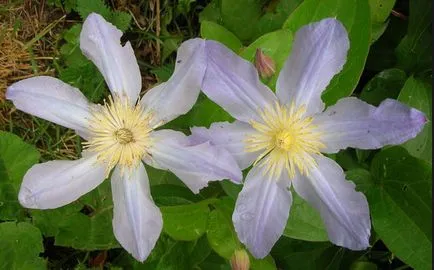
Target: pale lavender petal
53,100
195,165
137,221
355,123
230,136
262,210
100,42
318,53
344,210
178,95
233,83
56,183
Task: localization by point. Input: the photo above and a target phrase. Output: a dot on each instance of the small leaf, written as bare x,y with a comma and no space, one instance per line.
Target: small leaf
20,245
211,30
16,157
385,84
417,93
304,222
85,7
185,222
398,189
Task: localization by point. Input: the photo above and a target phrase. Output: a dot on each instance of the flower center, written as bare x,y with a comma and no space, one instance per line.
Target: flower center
284,140
119,134
287,140
124,136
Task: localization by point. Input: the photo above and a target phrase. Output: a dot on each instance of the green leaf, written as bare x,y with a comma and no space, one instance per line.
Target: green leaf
385,84
418,94
175,258
276,45
204,113
16,157
121,20
266,263
295,254
414,51
211,12
200,251
171,195
221,233
20,246
380,11
354,14
85,224
79,71
276,14
185,222
304,222
241,16
231,189
399,195
85,7
214,31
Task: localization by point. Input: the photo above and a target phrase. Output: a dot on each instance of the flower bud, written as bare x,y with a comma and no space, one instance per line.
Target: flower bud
240,260
264,64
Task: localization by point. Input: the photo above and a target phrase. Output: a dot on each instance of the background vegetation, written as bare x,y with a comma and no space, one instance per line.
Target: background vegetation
390,57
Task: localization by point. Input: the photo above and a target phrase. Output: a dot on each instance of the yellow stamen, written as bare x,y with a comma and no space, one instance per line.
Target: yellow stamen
287,138
119,134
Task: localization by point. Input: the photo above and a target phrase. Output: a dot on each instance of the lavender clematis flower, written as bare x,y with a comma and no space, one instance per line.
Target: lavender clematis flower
284,134
120,135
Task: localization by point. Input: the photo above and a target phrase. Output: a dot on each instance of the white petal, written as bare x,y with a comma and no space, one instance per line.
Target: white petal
100,42
262,210
178,95
355,123
318,53
231,136
195,165
344,210
52,100
137,221
233,83
56,183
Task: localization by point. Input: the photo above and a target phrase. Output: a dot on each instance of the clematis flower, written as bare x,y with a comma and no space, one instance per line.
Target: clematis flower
284,134
120,135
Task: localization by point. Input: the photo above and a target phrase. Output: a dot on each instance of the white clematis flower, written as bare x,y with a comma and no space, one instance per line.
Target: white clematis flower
120,135
284,134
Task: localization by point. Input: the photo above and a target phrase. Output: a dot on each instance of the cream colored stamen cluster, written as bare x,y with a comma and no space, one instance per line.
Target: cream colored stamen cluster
287,140
120,134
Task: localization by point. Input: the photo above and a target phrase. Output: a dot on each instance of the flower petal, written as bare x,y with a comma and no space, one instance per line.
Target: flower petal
355,123
344,210
233,83
195,165
318,53
262,210
137,221
56,183
231,136
178,95
100,42
53,100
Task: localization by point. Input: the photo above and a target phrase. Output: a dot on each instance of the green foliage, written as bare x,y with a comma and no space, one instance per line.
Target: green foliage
414,51
214,31
198,232
304,222
385,84
16,157
85,224
417,93
20,246
185,222
398,188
